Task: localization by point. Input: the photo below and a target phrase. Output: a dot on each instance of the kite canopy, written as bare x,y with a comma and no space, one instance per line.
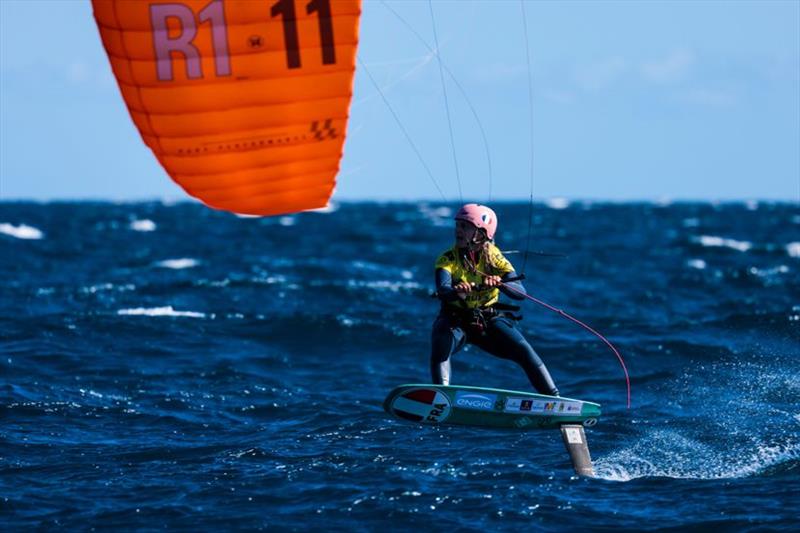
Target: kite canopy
244,103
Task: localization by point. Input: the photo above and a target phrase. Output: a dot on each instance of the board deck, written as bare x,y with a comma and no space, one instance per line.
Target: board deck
479,406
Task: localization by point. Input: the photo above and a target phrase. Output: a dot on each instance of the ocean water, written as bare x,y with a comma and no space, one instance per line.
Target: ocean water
173,366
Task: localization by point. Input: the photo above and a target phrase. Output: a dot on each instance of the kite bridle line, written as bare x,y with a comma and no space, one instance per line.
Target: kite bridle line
530,125
458,86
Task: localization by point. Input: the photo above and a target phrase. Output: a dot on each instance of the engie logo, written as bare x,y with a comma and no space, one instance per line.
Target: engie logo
474,400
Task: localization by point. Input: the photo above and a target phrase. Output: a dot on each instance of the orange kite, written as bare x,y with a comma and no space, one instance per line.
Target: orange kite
243,102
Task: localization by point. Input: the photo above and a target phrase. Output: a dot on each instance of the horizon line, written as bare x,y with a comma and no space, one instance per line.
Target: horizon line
545,200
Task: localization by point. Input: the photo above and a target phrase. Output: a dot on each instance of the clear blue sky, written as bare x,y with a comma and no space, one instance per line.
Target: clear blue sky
631,100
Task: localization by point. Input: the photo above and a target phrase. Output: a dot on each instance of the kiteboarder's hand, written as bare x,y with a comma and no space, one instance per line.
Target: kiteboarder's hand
492,281
463,288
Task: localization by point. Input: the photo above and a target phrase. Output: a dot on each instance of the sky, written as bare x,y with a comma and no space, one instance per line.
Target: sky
631,100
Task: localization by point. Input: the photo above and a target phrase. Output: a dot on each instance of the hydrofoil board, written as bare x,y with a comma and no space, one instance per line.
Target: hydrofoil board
485,407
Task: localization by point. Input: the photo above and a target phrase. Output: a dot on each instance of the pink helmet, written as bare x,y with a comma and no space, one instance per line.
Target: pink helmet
481,216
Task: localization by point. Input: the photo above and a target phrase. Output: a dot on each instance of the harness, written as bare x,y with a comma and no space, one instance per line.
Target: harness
475,321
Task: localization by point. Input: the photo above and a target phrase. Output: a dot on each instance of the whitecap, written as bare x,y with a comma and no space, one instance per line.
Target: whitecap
143,225
793,249
329,208
441,211
439,216
159,311
767,272
557,203
177,264
752,205
380,285
107,287
277,279
712,241
287,221
696,263
346,321
21,232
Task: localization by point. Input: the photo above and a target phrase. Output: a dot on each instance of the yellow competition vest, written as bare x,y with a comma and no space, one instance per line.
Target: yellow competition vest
491,262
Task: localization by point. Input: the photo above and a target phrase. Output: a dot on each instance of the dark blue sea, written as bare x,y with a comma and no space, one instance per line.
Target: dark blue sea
171,366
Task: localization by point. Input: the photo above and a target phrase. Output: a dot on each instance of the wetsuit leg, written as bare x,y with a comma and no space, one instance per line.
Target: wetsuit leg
446,340
503,340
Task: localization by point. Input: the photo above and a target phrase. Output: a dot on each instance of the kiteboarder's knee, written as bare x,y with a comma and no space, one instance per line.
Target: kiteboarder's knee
513,345
445,340
517,349
443,345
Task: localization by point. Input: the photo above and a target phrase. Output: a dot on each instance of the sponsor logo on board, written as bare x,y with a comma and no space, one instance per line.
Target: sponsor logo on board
475,400
525,405
542,407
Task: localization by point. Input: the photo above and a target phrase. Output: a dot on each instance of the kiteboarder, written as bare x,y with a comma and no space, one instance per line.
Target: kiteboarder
469,279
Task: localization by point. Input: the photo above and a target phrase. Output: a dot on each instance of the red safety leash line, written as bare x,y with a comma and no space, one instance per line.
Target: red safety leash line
586,327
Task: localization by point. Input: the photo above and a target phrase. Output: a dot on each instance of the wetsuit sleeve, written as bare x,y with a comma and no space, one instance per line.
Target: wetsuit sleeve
517,287
446,261
444,286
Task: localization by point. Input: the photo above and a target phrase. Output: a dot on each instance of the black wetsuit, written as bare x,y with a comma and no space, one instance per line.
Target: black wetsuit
499,336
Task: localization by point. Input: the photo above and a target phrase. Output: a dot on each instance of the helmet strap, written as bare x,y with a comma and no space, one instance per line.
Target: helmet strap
479,238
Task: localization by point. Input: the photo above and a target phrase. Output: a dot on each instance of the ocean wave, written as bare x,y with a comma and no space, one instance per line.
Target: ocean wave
101,287
385,285
768,272
159,311
557,203
177,264
331,207
21,232
143,225
713,242
439,216
696,263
